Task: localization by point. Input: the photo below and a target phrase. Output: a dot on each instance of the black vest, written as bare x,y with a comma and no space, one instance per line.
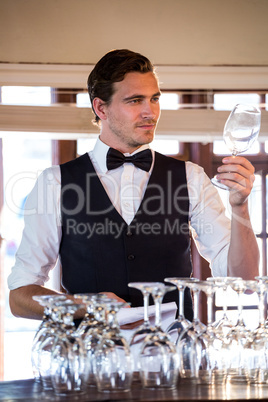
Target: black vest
99,252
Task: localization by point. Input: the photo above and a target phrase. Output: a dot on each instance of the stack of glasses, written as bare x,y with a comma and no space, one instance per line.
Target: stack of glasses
69,360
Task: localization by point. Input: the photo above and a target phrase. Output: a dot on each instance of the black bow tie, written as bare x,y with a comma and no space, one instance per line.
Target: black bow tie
142,160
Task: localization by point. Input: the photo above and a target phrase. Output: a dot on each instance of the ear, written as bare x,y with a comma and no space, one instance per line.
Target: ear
100,108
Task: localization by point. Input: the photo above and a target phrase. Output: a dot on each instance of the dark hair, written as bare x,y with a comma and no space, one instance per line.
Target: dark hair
111,68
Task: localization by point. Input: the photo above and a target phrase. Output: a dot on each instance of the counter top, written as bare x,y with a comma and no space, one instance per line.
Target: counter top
29,390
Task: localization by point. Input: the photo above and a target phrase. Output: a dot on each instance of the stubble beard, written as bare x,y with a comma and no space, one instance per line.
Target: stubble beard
131,142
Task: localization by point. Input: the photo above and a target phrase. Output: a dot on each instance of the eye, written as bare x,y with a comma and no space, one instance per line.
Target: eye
133,101
156,99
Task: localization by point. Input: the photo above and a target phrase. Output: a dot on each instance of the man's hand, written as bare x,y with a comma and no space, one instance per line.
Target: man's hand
113,296
238,174
131,325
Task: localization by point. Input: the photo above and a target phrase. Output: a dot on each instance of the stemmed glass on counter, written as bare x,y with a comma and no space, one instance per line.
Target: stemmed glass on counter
224,325
146,327
186,343
209,343
258,343
238,340
113,362
92,328
158,358
47,325
68,361
89,319
181,323
68,368
61,353
240,131
94,311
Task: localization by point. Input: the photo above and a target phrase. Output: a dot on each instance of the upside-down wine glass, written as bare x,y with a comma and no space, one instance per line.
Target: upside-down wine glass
186,343
224,325
94,333
258,370
181,323
47,324
158,358
240,131
90,300
238,341
145,328
47,344
113,362
212,365
89,317
68,368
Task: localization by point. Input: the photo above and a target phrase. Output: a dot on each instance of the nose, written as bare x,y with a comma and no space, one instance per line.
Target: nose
150,110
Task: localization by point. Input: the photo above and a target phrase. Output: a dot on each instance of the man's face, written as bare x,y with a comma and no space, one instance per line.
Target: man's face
133,113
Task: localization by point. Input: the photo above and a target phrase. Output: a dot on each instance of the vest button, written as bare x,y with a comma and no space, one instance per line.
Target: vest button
130,257
129,233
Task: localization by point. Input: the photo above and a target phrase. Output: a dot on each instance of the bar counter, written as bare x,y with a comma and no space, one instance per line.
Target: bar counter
29,390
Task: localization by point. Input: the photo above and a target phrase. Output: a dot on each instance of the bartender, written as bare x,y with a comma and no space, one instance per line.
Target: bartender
124,213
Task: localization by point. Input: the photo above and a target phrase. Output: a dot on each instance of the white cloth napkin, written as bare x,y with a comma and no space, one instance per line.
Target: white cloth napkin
128,315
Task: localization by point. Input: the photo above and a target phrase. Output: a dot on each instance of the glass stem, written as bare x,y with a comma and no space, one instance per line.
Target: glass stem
196,299
90,309
181,301
240,309
146,305
100,314
261,309
224,302
157,301
47,313
111,319
68,321
209,309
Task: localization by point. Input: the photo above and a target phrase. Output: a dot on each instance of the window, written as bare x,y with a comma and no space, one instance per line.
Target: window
35,96
25,155
227,101
35,155
23,162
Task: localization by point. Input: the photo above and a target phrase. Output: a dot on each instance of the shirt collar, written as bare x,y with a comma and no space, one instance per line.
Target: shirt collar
100,152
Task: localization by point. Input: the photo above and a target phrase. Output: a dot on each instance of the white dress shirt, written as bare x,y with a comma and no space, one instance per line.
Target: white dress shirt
39,248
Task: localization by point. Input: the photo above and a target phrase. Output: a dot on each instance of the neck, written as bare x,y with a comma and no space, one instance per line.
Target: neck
124,148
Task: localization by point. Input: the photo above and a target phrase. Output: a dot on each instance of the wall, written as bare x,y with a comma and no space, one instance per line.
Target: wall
169,32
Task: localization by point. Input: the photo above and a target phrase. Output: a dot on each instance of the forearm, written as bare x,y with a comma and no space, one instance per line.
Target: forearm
22,303
243,256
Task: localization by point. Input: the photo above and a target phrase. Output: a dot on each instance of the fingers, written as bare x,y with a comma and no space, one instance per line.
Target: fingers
238,170
238,174
113,296
238,161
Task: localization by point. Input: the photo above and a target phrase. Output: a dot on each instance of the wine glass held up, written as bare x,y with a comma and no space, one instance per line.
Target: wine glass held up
240,132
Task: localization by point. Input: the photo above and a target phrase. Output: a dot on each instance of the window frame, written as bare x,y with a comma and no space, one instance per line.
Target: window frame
199,122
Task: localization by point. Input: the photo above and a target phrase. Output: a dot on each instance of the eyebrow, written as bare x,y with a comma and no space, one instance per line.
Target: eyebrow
138,96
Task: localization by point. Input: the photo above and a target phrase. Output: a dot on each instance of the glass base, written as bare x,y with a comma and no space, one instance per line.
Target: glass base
217,183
